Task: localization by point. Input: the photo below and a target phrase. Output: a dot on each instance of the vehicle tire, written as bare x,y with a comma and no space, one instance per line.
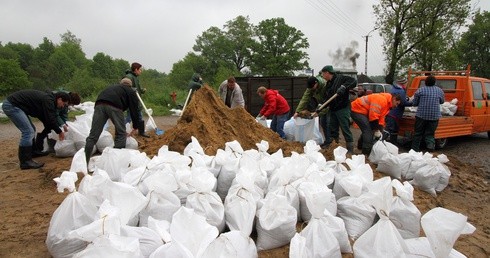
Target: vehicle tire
488,133
441,143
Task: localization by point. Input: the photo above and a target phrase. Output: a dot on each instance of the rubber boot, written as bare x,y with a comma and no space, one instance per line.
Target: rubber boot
350,147
51,144
141,130
38,146
25,158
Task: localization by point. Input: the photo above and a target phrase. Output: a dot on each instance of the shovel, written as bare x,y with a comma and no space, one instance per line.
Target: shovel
157,131
325,104
186,101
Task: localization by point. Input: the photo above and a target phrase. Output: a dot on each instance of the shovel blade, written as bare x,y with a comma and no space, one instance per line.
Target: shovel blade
159,131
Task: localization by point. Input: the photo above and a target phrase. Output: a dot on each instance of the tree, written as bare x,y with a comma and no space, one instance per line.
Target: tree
474,47
229,47
104,67
12,77
277,49
418,31
25,53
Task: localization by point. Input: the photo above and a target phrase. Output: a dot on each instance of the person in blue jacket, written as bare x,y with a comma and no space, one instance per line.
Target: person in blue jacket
395,114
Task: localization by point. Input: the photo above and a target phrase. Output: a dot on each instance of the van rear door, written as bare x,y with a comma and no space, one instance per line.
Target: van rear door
479,106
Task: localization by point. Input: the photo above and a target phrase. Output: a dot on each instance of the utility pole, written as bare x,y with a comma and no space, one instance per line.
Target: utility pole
366,53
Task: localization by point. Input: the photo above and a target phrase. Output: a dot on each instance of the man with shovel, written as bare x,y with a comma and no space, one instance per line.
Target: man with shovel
111,104
339,85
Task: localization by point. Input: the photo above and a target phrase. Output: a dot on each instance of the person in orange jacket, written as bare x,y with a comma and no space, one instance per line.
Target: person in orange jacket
369,113
276,106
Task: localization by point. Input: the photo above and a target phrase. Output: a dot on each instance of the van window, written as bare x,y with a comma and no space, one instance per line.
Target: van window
443,84
477,90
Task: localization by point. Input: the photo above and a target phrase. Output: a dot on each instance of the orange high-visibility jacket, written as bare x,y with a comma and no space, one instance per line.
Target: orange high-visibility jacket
374,106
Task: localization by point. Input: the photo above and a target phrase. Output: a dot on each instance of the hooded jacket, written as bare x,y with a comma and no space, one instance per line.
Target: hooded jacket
275,104
195,83
374,106
135,80
38,104
397,112
316,96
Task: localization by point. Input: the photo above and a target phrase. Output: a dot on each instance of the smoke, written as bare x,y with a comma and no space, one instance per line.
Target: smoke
346,58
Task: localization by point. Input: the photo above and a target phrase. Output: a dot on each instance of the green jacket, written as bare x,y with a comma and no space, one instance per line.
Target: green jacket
136,82
314,97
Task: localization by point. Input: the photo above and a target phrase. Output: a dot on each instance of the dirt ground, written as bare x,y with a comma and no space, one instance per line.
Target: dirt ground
28,198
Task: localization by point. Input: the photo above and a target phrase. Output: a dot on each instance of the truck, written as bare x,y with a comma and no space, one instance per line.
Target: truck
473,104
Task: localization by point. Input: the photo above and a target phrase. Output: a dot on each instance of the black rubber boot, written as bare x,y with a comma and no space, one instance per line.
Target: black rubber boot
141,130
394,138
350,147
51,144
38,146
25,158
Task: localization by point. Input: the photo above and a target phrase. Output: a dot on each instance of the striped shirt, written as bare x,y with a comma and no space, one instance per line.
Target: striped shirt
428,100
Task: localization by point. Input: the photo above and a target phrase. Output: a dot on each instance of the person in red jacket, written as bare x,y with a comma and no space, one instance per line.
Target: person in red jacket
369,113
276,106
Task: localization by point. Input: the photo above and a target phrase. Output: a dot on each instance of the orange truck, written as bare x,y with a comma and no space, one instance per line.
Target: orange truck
473,106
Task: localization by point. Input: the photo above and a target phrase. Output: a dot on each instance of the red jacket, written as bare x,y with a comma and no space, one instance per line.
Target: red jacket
275,104
374,106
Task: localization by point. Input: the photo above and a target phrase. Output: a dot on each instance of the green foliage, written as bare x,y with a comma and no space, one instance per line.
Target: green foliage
474,47
418,32
277,49
12,77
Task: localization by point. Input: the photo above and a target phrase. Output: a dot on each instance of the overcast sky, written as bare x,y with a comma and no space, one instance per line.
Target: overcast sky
158,33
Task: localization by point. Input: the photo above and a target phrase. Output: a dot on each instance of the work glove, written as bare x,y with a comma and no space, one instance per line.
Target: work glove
341,90
377,134
262,118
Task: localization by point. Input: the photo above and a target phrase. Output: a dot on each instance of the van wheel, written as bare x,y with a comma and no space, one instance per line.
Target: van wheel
488,133
441,143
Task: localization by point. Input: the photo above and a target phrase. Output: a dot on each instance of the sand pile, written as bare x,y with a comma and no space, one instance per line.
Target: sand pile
212,123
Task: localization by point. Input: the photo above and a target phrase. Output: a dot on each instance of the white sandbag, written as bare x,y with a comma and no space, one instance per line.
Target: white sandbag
209,205
382,239
445,173
276,223
390,165
378,151
297,247
131,143
79,162
442,227
314,188
404,214
191,233
169,250
323,224
307,129
231,244
357,215
161,205
419,159
74,212
319,239
241,205
105,140
427,177
229,167
65,148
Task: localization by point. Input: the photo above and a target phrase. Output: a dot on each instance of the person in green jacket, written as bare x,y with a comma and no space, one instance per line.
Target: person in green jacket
312,98
136,69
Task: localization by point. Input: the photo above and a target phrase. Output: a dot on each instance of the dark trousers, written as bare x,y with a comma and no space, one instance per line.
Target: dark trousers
325,125
101,114
341,119
424,129
366,140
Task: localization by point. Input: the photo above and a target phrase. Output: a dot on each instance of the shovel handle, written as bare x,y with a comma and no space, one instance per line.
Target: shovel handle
327,102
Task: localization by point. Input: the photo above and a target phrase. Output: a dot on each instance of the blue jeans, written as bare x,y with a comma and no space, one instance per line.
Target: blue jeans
21,121
277,124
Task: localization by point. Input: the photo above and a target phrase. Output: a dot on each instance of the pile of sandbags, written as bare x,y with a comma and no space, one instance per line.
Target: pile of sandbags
196,205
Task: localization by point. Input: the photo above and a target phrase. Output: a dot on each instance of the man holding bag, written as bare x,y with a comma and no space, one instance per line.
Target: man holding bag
369,113
275,105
